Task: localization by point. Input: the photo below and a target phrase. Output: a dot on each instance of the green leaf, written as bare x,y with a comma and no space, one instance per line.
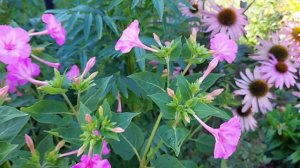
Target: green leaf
6,149
208,82
205,143
173,137
204,110
52,90
87,25
134,3
139,54
123,119
11,122
114,3
184,88
149,82
106,109
99,25
95,95
159,6
165,160
161,100
83,110
69,134
49,112
111,24
189,164
135,136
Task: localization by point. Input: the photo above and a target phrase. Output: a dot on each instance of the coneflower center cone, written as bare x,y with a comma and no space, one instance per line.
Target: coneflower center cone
195,8
280,52
227,17
296,33
281,67
259,88
243,114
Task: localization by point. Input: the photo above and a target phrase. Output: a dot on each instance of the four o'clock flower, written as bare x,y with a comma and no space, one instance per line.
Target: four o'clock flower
227,136
89,65
223,48
53,28
24,71
92,162
13,44
130,39
73,72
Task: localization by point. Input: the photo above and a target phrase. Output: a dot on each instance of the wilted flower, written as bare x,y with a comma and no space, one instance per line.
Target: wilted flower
130,39
227,136
279,72
256,91
50,64
73,72
24,71
223,48
13,44
54,28
92,162
226,20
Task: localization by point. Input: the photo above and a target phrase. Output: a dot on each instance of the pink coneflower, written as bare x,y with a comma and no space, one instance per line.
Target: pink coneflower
229,20
247,120
256,91
279,73
272,46
291,31
14,44
193,11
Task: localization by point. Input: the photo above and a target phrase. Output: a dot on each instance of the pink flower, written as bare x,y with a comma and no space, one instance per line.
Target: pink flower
89,65
279,73
247,120
94,162
73,72
130,39
211,66
54,28
223,47
226,20
194,11
13,44
105,148
3,91
24,71
119,108
50,64
227,137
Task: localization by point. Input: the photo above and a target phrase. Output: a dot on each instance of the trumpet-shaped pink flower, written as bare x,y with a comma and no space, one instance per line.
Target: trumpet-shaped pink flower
223,47
13,44
130,39
54,29
227,137
105,148
94,162
89,65
24,71
73,72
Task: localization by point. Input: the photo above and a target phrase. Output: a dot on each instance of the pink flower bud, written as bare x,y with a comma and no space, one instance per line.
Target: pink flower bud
89,65
29,143
156,38
119,109
117,130
211,66
187,118
3,91
213,94
60,145
88,118
170,92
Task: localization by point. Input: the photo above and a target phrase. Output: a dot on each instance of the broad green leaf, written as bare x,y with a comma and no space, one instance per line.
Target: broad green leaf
83,110
123,119
11,122
87,25
184,88
173,137
114,3
6,149
205,143
139,54
165,160
45,145
149,82
189,164
161,100
134,3
49,112
204,110
176,52
99,25
106,109
111,24
69,134
159,6
135,136
96,94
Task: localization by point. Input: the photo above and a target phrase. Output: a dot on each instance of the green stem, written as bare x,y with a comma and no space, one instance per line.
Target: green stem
133,148
70,104
168,70
186,69
143,161
154,151
78,100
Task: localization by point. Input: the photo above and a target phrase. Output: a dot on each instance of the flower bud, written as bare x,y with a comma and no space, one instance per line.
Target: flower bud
81,149
211,96
60,145
156,38
101,111
187,118
92,76
171,92
117,130
193,36
3,91
30,144
89,65
88,118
